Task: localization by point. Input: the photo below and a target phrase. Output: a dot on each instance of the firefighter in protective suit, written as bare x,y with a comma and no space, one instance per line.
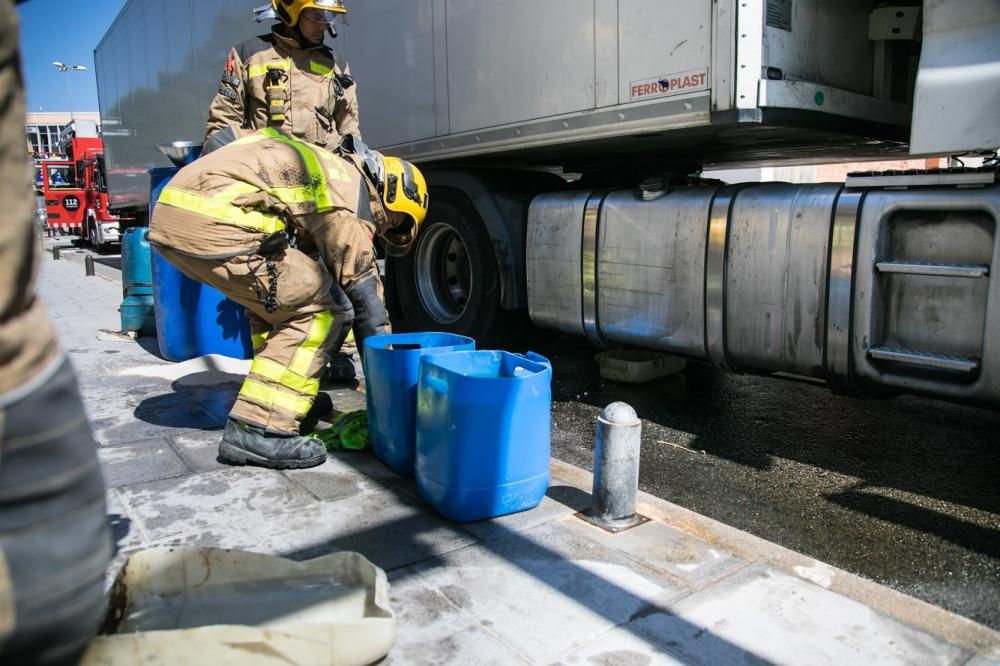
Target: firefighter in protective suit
286,228
287,79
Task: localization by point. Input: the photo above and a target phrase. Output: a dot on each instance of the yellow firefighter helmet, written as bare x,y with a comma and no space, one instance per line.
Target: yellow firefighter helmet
400,185
289,10
403,190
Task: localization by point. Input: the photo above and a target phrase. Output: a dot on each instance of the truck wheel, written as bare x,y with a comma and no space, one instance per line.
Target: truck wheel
101,248
449,280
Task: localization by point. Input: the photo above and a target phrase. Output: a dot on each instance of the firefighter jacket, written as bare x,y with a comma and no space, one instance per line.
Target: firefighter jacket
261,184
272,81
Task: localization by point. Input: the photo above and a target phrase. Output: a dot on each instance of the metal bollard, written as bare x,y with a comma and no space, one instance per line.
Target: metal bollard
88,265
616,469
55,253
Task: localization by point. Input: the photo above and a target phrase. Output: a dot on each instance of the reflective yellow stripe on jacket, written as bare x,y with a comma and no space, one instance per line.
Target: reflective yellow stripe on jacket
255,71
319,166
317,176
292,196
222,211
288,195
319,68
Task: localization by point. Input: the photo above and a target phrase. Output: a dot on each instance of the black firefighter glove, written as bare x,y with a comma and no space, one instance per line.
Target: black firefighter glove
369,310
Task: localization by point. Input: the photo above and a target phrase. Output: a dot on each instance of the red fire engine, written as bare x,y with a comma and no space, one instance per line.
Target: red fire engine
75,189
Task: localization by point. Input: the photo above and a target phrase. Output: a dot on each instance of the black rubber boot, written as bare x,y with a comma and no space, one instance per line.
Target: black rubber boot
340,370
246,445
322,406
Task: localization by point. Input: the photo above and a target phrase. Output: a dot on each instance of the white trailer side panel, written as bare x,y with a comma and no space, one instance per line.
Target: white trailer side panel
457,79
587,79
404,47
658,43
957,106
518,60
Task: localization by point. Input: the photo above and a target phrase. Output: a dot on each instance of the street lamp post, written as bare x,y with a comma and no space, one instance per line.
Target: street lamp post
69,86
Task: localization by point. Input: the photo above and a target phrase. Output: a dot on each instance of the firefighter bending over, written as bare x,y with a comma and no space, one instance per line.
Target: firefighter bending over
285,229
287,79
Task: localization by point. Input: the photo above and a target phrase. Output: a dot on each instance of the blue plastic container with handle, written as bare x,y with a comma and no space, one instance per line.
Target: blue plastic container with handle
391,364
137,309
483,433
192,319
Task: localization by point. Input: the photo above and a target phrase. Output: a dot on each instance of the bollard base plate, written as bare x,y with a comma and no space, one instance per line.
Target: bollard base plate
613,526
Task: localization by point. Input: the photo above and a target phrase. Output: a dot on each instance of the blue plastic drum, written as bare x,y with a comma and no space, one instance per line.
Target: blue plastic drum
192,319
391,365
483,438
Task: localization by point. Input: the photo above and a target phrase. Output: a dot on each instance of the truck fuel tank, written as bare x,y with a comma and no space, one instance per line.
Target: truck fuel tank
869,288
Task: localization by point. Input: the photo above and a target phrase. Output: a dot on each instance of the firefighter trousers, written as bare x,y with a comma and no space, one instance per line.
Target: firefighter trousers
288,363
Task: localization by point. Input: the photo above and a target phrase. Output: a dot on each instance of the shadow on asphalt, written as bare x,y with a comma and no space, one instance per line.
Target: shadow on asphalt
977,538
110,262
928,447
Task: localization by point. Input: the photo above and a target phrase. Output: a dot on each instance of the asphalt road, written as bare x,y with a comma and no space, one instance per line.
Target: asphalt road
902,491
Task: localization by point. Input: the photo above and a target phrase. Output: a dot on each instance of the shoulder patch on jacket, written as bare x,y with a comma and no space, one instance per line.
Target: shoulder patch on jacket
252,47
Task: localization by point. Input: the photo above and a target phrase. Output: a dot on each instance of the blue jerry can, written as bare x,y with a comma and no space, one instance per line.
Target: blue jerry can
483,438
137,283
391,363
192,319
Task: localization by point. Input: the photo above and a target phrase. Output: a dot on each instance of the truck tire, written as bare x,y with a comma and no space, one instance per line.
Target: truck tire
449,281
101,248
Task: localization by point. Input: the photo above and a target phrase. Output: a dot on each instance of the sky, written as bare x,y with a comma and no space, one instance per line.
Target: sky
67,31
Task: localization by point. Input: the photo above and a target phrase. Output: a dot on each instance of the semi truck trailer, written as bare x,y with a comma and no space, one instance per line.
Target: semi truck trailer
565,143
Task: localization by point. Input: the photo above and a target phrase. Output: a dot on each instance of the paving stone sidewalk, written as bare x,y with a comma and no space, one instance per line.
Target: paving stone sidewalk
542,587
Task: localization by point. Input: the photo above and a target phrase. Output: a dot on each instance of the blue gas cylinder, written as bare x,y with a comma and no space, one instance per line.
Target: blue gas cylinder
391,363
482,433
192,319
137,309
